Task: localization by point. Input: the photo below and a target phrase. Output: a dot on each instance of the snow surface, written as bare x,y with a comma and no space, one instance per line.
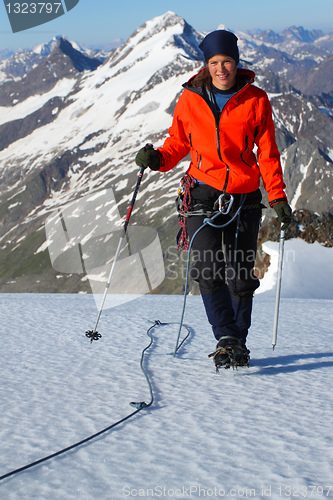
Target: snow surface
260,432
307,270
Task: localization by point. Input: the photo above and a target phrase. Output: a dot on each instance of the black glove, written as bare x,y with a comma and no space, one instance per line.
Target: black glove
148,157
284,213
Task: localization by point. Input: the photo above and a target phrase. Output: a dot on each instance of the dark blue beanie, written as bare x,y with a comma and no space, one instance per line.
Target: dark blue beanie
220,42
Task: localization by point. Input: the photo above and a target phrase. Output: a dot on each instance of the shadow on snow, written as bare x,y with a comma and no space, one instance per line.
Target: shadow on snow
289,363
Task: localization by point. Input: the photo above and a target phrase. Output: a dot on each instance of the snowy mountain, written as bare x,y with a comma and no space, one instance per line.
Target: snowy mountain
45,49
15,66
293,39
295,54
73,125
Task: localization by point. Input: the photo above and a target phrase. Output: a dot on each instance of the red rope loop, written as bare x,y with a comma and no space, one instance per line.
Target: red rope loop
187,182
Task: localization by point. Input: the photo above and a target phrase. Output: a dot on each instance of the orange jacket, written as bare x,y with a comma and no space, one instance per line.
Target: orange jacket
222,147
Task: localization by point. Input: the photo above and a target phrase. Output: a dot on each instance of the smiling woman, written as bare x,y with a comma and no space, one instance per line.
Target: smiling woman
223,71
219,119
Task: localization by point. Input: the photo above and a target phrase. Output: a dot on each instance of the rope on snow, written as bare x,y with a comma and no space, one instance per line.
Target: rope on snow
139,406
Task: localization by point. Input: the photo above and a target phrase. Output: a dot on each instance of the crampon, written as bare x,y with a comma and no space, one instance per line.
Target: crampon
230,355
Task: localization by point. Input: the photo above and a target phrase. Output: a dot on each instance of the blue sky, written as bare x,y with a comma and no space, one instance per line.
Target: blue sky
97,22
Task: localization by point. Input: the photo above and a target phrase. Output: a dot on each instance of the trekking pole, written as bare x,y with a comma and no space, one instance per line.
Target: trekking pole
278,289
93,334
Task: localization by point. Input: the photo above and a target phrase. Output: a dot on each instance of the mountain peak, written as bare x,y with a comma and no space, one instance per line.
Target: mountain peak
161,31
79,60
169,18
44,49
159,24
223,27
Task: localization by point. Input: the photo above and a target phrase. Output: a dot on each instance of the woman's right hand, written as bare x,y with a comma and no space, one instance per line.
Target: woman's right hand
148,157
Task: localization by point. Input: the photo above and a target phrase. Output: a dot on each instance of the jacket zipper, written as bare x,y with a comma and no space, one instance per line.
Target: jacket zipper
247,150
217,128
217,121
198,156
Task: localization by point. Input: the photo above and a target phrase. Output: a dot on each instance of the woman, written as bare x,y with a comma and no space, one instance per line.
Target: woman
220,118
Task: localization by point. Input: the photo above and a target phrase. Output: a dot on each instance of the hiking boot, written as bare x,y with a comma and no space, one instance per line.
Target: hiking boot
244,358
230,352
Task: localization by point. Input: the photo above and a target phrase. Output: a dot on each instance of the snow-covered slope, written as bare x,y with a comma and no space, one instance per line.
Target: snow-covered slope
262,432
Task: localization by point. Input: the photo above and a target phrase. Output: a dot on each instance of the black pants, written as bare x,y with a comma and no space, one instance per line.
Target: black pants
225,257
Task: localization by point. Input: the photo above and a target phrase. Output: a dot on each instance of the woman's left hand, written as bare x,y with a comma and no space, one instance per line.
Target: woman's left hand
284,213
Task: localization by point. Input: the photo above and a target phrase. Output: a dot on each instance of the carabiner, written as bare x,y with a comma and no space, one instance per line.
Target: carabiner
225,205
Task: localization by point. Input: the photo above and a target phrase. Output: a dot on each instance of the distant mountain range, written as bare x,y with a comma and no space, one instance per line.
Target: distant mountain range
72,120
